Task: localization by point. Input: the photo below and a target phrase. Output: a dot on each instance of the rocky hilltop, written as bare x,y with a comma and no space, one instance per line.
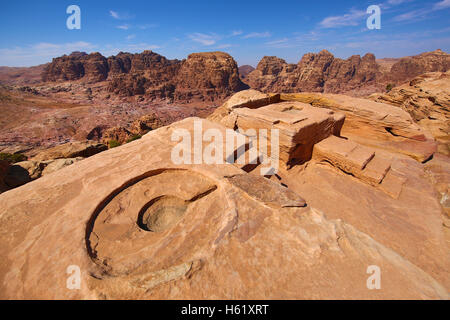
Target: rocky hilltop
245,70
202,76
140,226
322,72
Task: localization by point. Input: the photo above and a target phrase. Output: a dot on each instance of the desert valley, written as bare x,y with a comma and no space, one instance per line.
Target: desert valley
87,178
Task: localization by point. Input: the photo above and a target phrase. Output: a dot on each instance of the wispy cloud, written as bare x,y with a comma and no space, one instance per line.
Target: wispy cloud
353,18
204,39
444,4
236,33
277,43
423,13
257,35
114,14
411,15
147,26
123,27
224,46
120,16
131,37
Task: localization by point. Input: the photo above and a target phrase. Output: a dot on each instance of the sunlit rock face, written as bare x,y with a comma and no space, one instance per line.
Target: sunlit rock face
139,226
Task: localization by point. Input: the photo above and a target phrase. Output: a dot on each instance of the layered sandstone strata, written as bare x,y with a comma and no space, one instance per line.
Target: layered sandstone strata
154,229
426,98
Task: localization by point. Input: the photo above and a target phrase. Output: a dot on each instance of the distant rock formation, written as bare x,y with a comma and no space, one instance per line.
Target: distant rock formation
92,67
410,67
203,76
245,70
322,72
207,75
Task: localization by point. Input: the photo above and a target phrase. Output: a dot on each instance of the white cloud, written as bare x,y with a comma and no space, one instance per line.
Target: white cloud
236,33
422,13
444,4
224,46
147,26
114,14
277,43
120,16
204,39
353,18
257,35
411,15
131,36
123,27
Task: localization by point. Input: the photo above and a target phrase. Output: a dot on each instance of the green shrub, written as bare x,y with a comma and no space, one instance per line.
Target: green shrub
113,144
13,157
389,87
134,137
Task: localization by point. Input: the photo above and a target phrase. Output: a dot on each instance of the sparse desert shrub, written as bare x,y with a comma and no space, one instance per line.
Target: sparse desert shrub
134,137
13,157
113,144
389,87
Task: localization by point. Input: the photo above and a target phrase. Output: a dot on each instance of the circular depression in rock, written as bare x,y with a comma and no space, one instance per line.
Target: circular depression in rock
162,213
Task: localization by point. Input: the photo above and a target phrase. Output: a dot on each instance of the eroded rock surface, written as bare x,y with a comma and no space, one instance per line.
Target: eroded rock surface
154,229
427,99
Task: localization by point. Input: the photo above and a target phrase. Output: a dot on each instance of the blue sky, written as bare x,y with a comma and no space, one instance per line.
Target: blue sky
33,32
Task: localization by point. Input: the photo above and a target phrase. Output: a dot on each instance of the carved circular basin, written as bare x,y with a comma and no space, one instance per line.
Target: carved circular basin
143,223
162,213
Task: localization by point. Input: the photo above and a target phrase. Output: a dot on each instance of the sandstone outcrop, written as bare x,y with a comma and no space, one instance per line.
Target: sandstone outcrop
71,150
426,98
24,172
300,125
375,124
155,230
410,67
92,67
322,72
204,76
208,75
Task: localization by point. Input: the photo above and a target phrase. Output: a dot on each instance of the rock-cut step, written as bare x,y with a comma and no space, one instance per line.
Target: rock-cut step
361,162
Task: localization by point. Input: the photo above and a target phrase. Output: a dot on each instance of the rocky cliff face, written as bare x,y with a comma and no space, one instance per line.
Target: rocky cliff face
92,67
409,67
206,75
322,72
202,76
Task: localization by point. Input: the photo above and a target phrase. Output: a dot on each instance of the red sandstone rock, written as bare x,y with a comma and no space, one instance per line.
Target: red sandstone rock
322,72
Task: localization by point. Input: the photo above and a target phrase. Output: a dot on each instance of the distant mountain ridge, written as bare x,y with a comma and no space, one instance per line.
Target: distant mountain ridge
204,76
213,76
322,72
